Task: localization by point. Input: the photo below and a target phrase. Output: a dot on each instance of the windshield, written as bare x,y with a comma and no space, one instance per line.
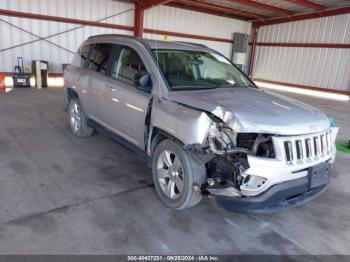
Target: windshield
191,70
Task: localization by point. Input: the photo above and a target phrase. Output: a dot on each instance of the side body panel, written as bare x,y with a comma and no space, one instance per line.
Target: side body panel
124,106
83,90
188,125
94,92
124,110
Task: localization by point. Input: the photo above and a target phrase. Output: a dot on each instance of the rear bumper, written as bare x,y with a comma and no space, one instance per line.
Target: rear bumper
279,197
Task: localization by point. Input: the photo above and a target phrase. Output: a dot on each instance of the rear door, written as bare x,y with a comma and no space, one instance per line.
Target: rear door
98,64
124,104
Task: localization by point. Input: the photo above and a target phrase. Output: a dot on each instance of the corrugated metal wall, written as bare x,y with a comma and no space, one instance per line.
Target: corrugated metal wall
190,22
319,67
92,10
164,18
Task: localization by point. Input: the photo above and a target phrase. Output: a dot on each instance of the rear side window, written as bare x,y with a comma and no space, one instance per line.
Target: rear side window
100,56
128,66
84,54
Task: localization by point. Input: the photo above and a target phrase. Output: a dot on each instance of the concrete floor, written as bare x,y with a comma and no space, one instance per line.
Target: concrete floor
63,195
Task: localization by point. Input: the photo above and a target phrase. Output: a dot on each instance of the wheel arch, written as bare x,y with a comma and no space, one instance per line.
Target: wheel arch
158,135
69,93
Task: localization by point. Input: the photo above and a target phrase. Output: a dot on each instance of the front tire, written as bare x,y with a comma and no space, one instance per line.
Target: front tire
77,119
175,174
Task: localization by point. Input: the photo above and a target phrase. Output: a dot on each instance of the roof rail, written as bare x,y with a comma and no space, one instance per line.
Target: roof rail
189,43
117,35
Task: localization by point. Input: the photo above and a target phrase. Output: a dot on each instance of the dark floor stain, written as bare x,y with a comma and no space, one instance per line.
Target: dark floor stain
274,241
110,173
145,182
57,168
45,224
19,167
4,147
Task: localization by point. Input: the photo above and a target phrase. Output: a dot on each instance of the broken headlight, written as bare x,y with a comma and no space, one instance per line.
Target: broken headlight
222,139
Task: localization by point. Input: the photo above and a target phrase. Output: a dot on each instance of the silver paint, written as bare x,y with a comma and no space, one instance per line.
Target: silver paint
189,115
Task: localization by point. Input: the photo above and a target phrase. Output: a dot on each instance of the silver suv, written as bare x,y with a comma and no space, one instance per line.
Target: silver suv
206,129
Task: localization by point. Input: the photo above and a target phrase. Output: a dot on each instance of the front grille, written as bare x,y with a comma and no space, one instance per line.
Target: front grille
308,148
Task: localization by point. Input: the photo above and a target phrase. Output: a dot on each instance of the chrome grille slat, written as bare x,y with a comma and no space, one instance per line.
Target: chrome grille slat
328,143
323,145
294,148
299,150
316,147
288,152
303,147
308,148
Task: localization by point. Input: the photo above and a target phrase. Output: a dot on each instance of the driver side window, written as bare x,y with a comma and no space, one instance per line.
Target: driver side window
128,66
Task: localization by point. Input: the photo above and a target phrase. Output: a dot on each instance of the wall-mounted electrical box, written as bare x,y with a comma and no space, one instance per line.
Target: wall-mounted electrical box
240,50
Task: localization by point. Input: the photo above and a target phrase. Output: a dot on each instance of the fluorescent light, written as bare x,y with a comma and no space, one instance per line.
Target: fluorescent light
55,82
302,91
8,81
51,81
32,81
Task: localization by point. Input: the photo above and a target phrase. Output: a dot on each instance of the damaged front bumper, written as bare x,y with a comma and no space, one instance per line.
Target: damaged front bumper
279,197
293,178
294,188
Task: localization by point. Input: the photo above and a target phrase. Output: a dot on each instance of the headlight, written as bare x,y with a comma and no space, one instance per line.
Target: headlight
223,134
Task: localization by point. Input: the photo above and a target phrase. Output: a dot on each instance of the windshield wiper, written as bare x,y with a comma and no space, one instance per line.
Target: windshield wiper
192,87
234,85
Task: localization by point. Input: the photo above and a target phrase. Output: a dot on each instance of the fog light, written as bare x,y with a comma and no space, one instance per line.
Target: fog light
246,179
253,182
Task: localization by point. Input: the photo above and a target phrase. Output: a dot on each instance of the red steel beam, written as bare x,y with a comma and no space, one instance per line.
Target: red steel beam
308,4
331,12
63,20
105,25
305,45
152,3
138,20
265,7
205,7
207,11
184,35
252,53
10,74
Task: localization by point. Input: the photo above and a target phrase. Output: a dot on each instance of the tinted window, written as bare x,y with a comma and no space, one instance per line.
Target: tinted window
100,56
128,66
84,54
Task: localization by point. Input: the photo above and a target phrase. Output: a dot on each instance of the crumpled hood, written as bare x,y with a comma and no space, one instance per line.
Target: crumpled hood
251,110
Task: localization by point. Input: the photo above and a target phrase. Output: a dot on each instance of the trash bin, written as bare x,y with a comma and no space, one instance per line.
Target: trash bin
21,80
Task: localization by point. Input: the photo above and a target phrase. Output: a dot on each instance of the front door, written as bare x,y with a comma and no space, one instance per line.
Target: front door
124,105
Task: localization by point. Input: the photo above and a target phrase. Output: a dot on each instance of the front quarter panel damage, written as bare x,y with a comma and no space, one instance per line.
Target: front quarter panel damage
188,125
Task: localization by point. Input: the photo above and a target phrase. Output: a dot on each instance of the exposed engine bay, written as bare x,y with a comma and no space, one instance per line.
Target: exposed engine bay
244,155
226,169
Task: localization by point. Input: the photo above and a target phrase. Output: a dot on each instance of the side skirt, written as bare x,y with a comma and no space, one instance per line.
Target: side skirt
140,154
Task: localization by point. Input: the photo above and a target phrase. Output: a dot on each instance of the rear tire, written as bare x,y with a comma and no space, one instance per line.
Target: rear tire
77,119
175,175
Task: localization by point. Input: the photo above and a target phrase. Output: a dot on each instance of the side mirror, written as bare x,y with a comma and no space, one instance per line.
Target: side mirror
144,82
